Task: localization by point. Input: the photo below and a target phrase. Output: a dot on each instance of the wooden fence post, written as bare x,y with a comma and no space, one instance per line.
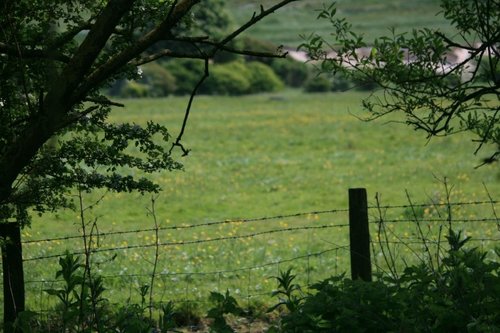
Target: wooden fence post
359,235
13,277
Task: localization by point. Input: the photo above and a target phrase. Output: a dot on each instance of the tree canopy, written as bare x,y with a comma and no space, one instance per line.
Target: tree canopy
55,60
442,84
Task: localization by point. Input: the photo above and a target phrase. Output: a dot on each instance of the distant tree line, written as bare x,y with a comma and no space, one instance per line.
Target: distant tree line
231,75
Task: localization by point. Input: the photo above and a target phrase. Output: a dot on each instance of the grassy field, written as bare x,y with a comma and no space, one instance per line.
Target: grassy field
369,17
254,156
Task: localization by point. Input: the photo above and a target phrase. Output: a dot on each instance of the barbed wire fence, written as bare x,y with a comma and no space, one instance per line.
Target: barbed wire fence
243,255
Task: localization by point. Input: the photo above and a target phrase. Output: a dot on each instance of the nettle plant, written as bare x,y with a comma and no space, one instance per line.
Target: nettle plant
461,295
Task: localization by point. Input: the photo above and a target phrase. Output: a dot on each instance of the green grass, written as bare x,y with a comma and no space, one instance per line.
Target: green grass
262,155
369,17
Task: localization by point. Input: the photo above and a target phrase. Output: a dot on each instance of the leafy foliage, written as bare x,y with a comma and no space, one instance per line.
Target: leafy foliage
292,73
223,304
318,84
461,296
81,297
57,59
442,84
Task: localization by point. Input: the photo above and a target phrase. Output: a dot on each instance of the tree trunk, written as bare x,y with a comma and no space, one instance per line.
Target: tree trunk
13,276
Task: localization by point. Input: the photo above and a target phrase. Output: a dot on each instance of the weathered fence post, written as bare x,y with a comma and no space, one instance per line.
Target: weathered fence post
359,235
13,277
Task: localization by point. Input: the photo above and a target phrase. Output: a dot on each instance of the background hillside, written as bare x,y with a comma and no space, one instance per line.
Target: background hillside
373,18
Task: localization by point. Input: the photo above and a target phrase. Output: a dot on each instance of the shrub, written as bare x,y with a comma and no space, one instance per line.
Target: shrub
318,84
160,81
225,57
187,73
133,89
292,73
155,81
365,85
254,44
341,83
238,78
263,78
227,79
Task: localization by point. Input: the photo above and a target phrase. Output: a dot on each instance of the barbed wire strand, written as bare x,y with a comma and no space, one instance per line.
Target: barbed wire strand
272,263
437,204
191,242
191,226
470,220
257,219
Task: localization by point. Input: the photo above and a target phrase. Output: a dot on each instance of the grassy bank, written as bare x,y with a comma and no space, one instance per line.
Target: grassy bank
254,156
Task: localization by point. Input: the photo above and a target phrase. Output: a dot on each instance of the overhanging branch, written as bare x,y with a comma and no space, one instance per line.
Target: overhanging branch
35,54
166,53
223,47
255,18
103,101
178,10
177,142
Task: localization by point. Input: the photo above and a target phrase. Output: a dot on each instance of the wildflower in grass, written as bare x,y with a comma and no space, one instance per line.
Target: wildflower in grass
283,224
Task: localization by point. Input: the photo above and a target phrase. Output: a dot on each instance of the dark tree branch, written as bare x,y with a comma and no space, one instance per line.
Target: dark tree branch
491,125
103,101
178,11
57,103
167,53
188,109
69,35
36,54
223,47
110,67
196,55
219,46
255,18
81,75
